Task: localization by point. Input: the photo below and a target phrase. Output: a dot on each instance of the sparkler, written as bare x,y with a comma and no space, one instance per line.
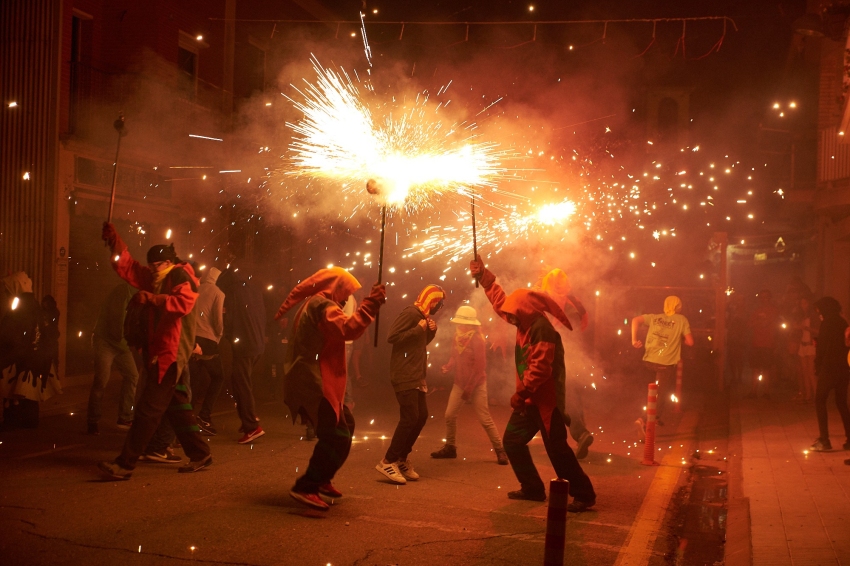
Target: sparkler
412,155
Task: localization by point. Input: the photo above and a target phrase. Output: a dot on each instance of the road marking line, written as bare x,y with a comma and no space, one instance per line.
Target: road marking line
44,453
637,549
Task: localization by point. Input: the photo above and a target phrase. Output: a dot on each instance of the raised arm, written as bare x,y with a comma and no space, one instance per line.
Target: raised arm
122,262
352,327
637,322
495,293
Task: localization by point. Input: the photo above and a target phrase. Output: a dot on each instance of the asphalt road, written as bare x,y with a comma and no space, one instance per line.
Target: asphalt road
56,509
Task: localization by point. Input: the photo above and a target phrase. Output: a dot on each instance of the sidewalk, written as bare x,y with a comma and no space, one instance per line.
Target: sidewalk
798,502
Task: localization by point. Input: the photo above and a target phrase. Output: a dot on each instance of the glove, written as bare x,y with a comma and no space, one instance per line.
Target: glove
476,268
148,298
379,293
517,402
112,239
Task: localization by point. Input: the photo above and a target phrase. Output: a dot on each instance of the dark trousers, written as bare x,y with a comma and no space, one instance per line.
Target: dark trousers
168,400
243,391
826,383
520,430
332,448
165,435
413,414
211,367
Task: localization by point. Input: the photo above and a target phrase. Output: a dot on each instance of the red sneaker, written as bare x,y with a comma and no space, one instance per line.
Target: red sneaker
251,436
329,490
310,500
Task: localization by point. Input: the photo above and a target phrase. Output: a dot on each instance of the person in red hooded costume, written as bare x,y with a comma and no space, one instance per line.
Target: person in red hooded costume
167,293
538,404
314,371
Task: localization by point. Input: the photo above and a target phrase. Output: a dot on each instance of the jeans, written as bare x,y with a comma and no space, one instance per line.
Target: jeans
482,411
665,376
215,371
575,409
413,413
105,356
331,450
165,435
826,383
243,391
168,399
522,426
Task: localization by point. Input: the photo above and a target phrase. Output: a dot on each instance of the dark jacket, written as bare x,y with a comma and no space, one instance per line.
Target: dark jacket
110,321
409,360
830,352
244,314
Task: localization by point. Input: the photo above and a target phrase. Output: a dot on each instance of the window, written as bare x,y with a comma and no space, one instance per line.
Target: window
187,67
80,70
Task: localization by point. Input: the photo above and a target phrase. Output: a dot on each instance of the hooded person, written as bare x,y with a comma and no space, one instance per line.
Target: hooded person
245,331
469,362
163,315
557,285
209,329
831,370
410,334
314,371
538,403
28,376
664,340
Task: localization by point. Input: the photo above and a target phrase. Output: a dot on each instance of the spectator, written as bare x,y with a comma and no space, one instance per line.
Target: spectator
832,370
206,359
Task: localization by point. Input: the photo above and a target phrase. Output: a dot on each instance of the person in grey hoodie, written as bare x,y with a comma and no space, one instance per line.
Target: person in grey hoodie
410,335
209,329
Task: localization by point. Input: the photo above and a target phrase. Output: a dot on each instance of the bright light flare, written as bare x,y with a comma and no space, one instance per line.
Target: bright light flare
15,302
409,153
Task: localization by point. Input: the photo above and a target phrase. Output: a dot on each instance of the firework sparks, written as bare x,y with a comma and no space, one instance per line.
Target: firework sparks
413,157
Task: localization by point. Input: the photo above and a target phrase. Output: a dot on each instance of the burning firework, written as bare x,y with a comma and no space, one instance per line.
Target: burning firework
412,157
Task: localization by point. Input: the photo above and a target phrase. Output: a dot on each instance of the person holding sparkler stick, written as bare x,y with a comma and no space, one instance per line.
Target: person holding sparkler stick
412,331
165,316
314,372
538,404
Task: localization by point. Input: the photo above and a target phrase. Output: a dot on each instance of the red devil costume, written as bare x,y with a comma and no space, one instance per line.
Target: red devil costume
315,371
161,321
538,404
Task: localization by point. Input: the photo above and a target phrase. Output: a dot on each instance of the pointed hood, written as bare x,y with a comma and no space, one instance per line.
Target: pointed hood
333,283
528,305
557,284
429,297
211,276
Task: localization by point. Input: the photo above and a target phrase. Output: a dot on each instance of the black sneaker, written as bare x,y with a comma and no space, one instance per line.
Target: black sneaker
520,494
93,429
195,465
113,471
206,426
447,451
576,506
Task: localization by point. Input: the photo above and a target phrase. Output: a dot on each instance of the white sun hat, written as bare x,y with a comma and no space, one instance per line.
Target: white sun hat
466,315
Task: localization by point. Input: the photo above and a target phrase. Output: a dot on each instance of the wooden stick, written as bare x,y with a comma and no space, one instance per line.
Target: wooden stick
380,267
474,238
119,127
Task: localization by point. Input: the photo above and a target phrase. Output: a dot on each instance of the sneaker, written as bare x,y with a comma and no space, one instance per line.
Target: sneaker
124,425
820,446
576,506
166,456
251,436
329,490
309,499
206,426
113,471
195,465
520,494
641,427
391,472
583,445
406,469
447,451
502,458
92,429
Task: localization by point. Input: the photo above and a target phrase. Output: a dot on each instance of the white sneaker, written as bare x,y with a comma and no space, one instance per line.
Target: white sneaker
406,469
391,472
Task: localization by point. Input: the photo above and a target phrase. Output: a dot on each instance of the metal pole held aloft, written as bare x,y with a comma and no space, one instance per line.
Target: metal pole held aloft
380,267
118,124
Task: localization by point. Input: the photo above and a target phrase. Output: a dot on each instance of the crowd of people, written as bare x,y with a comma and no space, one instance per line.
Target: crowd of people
161,328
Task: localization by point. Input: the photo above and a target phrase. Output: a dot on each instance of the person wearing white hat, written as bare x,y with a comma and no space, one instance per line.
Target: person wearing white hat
469,362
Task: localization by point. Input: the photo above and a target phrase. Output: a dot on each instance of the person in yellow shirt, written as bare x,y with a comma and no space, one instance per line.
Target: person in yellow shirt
664,340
